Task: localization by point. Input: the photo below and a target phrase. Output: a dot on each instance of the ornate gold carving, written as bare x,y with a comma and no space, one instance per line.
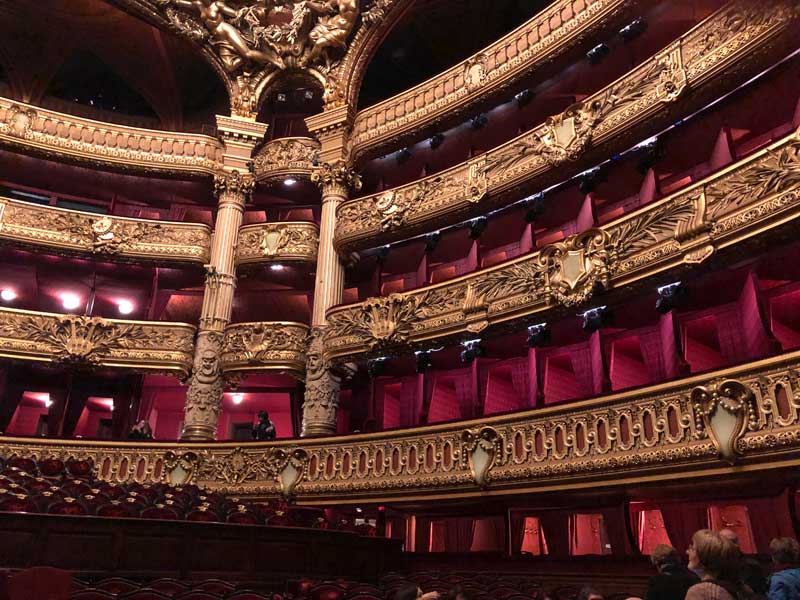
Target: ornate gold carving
286,157
93,341
206,385
634,105
616,440
73,231
676,229
265,346
285,241
573,268
61,136
336,178
724,409
234,184
321,401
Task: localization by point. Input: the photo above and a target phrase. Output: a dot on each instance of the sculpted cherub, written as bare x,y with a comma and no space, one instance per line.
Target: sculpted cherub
336,20
233,48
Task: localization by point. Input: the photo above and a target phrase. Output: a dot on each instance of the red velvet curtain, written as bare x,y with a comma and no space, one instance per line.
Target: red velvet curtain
588,535
555,524
532,540
735,517
651,530
458,534
681,520
438,542
770,518
488,535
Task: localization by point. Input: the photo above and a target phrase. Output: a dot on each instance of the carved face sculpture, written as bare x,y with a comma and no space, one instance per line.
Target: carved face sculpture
209,369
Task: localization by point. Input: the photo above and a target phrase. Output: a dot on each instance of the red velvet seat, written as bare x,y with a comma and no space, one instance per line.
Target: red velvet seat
364,588
143,594
248,595
40,583
169,587
160,511
80,469
92,594
17,503
214,586
243,518
117,585
52,467
115,509
300,588
327,591
365,597
27,465
68,506
76,488
202,515
198,595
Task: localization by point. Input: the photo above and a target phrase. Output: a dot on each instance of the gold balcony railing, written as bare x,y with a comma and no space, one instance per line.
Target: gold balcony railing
288,241
275,346
286,157
60,136
95,341
735,41
544,38
746,199
75,232
733,420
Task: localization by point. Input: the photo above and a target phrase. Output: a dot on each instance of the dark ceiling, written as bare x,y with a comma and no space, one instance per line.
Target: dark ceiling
436,34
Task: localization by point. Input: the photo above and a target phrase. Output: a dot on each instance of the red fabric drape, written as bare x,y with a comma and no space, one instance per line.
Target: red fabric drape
588,535
488,535
555,524
458,534
532,540
770,518
437,537
681,520
736,518
651,530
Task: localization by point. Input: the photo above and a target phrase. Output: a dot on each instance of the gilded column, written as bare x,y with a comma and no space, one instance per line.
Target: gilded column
233,188
321,400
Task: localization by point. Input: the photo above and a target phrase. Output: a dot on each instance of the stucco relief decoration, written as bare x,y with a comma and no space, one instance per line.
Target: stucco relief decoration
475,72
321,400
206,385
672,77
481,448
724,409
565,136
382,322
336,178
18,121
283,155
78,339
262,342
575,267
258,37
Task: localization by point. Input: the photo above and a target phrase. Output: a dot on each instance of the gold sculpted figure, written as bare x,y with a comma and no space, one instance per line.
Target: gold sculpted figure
336,19
233,48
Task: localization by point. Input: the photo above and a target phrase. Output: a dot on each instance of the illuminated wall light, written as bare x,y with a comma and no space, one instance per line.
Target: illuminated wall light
277,267
289,181
237,398
125,307
8,295
70,301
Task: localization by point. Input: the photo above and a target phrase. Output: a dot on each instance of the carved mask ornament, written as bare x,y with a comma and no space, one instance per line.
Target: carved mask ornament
724,409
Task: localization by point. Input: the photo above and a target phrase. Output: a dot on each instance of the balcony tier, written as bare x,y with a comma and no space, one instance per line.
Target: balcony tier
668,431
83,233
95,341
749,198
286,241
265,346
460,89
286,157
59,136
705,62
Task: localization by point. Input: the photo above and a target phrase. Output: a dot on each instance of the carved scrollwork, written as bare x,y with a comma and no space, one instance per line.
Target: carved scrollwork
480,448
277,242
572,269
321,400
724,409
234,184
286,157
19,121
205,388
265,346
336,178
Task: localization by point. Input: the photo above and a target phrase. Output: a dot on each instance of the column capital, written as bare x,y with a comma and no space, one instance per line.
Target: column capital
332,129
240,135
234,183
336,178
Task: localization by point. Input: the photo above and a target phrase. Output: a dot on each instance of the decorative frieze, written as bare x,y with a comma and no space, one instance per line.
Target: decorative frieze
640,435
746,199
265,346
286,241
74,232
456,91
286,157
94,341
670,83
67,137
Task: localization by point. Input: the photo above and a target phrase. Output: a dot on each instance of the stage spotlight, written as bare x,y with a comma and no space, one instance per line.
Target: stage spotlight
432,240
436,140
524,97
479,121
376,366
596,318
535,208
125,307
633,29
423,361
669,296
403,155
477,227
538,335
591,179
598,53
8,295
70,301
472,350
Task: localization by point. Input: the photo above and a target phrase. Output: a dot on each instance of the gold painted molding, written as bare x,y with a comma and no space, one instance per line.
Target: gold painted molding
76,232
735,40
492,70
59,136
649,434
286,157
95,341
746,199
265,346
286,241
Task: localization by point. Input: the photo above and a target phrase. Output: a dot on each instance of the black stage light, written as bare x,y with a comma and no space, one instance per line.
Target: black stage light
670,296
535,208
477,227
404,155
524,97
436,140
633,29
598,53
479,121
423,361
472,350
432,240
596,318
538,335
376,366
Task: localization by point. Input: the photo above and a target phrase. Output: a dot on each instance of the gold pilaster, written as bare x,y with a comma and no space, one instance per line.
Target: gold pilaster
233,187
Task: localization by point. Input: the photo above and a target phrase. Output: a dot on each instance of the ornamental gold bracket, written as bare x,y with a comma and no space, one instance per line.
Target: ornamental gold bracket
481,448
180,466
724,409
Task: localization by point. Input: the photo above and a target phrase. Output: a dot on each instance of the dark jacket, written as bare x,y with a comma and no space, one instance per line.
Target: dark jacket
264,430
784,585
671,583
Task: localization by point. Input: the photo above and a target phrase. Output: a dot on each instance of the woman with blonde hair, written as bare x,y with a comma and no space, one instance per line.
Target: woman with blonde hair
719,559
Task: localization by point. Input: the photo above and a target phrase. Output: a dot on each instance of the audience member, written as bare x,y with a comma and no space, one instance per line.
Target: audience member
719,559
264,430
784,584
413,592
141,431
588,593
458,593
673,579
750,572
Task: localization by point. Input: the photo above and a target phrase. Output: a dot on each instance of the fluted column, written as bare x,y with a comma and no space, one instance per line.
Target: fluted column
321,400
233,188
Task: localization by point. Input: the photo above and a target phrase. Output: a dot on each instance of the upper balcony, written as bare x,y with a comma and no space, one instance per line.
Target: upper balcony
707,61
747,199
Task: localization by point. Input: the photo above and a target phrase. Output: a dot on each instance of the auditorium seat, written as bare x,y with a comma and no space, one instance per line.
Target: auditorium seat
327,591
169,587
116,585
143,594
198,595
40,583
214,586
92,594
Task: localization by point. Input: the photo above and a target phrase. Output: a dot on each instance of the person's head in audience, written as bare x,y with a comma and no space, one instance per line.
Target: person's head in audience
413,592
730,535
458,593
663,557
588,593
718,557
785,553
